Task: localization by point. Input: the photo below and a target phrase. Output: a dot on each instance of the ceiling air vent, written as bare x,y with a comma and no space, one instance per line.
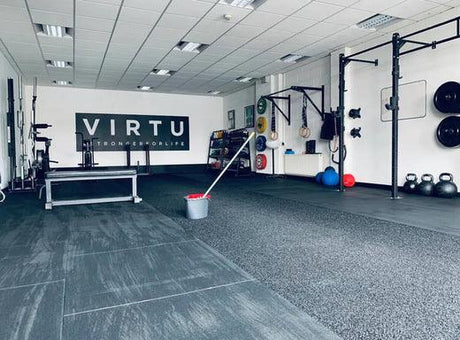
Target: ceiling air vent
377,21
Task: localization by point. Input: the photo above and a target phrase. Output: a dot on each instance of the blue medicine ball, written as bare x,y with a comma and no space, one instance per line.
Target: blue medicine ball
330,178
319,177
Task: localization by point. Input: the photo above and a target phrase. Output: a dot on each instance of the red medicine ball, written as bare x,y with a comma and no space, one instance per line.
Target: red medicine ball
348,180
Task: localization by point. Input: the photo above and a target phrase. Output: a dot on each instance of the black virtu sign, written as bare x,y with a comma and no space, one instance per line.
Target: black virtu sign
112,132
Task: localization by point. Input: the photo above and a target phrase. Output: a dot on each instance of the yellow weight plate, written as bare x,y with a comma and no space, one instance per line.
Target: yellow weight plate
261,125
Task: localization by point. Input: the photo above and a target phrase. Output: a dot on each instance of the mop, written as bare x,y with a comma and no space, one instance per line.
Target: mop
198,203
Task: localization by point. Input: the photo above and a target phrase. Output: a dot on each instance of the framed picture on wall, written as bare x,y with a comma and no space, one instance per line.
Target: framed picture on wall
249,116
231,119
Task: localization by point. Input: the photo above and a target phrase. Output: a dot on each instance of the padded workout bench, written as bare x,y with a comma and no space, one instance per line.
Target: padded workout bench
72,176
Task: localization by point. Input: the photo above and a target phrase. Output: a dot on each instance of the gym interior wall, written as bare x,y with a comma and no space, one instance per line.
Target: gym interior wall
419,149
201,111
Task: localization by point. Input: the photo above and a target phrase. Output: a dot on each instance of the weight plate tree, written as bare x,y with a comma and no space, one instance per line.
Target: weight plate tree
261,143
261,125
261,161
448,132
261,105
447,97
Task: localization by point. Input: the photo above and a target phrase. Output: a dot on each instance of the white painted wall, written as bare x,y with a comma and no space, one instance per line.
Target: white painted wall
6,71
238,101
57,106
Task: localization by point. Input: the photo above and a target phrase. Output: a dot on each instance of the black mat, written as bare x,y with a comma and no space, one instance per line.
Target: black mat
365,278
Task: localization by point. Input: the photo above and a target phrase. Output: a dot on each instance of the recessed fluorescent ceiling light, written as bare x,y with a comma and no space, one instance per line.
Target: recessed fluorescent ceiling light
62,82
144,88
160,72
54,30
377,21
292,58
58,63
188,46
244,79
213,92
250,4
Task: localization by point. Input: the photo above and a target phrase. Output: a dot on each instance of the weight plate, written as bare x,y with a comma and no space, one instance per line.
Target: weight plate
448,132
447,97
261,161
261,105
261,125
261,143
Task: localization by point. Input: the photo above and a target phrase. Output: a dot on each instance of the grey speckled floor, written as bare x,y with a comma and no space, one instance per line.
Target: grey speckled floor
125,271
361,276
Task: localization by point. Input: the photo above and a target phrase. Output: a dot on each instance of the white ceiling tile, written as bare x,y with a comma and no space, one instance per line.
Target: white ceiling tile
216,26
164,33
176,21
14,14
155,5
62,6
96,36
230,42
263,19
139,16
57,53
203,37
349,16
286,7
13,3
375,6
94,24
324,29
96,10
189,8
318,11
344,3
410,8
57,42
123,33
294,25
245,31
52,18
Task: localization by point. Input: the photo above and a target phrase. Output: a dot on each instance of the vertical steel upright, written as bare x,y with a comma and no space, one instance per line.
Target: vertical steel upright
341,113
395,115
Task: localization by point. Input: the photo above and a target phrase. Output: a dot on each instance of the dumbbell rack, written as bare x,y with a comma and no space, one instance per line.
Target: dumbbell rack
220,151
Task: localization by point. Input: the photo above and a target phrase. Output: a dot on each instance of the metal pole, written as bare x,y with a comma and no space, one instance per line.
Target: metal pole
341,110
395,116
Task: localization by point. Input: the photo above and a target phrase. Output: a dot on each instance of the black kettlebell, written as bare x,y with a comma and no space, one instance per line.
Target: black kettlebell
446,187
426,186
411,184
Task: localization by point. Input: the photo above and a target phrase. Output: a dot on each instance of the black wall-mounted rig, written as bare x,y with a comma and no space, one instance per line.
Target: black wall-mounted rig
397,43
272,97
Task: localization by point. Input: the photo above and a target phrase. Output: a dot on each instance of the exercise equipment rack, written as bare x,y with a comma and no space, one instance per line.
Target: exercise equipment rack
397,42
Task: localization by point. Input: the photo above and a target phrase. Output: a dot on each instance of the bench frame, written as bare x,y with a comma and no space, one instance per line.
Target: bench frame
50,203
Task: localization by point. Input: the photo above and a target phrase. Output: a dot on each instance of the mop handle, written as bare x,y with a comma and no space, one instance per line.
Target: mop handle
230,163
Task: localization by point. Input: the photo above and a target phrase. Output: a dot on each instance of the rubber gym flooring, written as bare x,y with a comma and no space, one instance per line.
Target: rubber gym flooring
275,259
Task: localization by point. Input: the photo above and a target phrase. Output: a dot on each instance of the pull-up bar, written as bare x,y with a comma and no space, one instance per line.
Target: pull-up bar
302,89
397,43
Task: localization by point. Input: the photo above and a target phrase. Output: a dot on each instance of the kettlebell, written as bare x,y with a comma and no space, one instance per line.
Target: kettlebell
426,186
411,183
446,187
